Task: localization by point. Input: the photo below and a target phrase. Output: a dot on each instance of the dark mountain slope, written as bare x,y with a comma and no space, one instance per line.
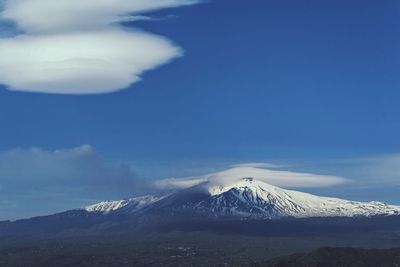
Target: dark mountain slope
339,257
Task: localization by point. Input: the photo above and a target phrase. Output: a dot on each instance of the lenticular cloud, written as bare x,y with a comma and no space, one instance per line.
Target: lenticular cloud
286,179
81,63
78,47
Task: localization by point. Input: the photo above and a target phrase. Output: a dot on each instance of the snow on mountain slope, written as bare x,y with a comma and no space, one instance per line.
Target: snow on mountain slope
246,198
252,198
127,205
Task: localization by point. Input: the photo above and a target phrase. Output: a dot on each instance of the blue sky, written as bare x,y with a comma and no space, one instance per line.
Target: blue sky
309,84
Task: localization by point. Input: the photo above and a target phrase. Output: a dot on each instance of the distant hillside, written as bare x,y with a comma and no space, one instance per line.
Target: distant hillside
343,257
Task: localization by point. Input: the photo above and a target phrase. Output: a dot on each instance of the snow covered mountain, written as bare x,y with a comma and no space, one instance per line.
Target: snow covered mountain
244,198
209,204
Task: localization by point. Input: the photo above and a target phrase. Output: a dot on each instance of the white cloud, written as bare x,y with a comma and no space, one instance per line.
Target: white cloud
81,63
78,47
285,179
49,16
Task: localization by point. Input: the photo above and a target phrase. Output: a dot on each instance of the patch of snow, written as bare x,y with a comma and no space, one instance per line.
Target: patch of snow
130,205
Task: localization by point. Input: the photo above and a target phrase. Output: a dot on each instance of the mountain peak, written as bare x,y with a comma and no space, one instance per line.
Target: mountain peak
245,182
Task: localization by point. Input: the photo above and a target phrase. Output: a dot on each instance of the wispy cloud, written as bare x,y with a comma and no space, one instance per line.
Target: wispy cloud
79,47
286,179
